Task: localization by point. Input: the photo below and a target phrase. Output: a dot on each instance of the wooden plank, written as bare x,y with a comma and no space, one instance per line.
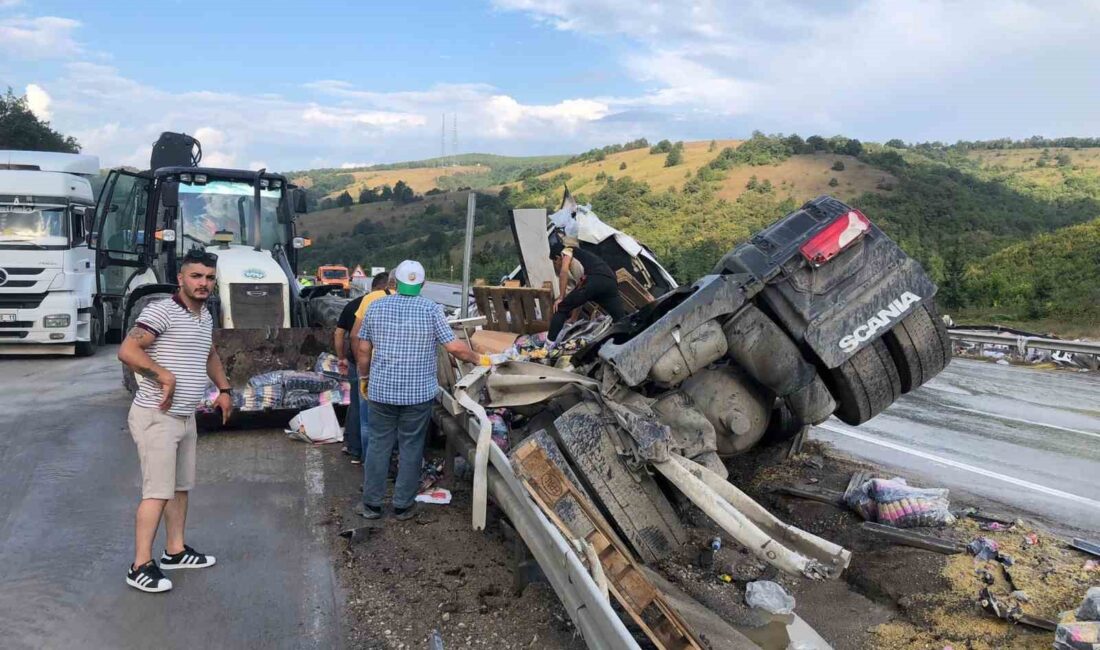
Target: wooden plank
631,291
914,539
824,495
517,321
548,486
499,310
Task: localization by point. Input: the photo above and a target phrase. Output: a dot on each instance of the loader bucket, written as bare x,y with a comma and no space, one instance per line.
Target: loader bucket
246,353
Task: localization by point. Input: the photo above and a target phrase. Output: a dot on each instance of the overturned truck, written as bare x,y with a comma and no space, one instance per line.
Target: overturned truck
616,427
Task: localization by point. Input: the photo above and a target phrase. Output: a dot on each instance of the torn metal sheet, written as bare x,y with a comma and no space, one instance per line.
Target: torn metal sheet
520,383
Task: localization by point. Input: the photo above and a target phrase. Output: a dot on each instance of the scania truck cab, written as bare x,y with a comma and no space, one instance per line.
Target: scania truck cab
47,270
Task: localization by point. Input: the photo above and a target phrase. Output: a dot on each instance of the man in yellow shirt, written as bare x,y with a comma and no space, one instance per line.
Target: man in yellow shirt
381,285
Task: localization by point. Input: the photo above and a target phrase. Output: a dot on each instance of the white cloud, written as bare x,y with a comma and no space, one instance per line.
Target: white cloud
795,65
343,117
355,165
38,100
45,37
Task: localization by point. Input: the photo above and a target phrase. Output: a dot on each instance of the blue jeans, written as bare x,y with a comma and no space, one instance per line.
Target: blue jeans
353,437
364,417
408,426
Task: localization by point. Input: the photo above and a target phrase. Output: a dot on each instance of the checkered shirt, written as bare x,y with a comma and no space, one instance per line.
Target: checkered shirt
404,331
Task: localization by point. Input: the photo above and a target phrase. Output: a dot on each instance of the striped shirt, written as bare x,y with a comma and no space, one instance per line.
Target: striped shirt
182,347
404,332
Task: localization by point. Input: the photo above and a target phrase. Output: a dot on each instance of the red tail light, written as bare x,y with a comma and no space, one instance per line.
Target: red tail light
844,231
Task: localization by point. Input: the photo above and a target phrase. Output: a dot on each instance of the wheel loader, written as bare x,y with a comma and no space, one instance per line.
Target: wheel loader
145,223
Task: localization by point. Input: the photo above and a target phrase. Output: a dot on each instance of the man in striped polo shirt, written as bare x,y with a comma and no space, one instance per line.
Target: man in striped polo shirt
170,350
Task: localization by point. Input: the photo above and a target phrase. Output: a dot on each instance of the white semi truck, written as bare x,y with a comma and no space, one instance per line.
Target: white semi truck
47,270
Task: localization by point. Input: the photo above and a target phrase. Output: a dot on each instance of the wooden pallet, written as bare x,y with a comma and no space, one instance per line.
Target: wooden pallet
633,294
522,310
647,606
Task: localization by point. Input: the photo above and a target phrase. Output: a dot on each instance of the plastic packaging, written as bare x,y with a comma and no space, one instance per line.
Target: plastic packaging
769,596
894,503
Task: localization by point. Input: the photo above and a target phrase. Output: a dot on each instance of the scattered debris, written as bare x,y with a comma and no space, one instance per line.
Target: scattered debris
438,496
994,526
1084,632
1092,565
895,503
916,540
1012,614
983,548
1087,546
769,596
1077,636
1031,539
987,517
1021,596
1090,606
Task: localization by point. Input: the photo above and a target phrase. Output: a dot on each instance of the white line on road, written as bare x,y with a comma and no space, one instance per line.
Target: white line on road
963,466
998,416
317,604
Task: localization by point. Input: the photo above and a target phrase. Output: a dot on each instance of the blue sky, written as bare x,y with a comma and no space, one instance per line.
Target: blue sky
297,85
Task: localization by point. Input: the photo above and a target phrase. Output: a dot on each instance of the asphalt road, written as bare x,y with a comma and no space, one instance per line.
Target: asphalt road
69,484
1008,436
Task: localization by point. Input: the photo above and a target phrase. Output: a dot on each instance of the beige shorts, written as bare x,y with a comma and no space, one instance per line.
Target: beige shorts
166,449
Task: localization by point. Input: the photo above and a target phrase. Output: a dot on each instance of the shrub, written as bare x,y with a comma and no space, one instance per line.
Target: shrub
838,166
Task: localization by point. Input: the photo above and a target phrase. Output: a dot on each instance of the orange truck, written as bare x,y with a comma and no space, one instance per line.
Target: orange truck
336,275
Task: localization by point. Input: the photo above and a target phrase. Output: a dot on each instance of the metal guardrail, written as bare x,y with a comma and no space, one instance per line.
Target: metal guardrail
1023,343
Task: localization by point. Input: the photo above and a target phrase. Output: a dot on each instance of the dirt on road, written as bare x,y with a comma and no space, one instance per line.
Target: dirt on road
405,580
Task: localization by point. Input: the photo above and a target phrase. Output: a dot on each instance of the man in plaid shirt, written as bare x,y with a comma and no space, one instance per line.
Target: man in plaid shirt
396,356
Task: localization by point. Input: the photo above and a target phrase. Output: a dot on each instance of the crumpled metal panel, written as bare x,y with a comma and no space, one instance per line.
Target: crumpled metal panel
714,295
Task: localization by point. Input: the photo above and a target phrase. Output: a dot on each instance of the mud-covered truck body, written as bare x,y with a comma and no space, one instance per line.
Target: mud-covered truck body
818,314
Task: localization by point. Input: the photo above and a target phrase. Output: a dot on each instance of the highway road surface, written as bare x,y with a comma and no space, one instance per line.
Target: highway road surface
1008,436
69,483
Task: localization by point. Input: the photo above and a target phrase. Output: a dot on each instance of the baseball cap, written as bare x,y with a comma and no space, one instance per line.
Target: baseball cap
410,278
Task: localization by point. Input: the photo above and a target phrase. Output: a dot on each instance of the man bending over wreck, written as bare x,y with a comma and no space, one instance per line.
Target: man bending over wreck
596,283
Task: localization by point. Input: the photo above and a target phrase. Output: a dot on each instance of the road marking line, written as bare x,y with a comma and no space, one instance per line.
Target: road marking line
963,466
1021,420
315,601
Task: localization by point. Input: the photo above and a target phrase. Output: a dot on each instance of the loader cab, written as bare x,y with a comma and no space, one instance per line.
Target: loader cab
147,221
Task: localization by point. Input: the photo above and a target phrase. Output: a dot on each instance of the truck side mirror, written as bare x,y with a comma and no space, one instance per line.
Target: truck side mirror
170,194
299,200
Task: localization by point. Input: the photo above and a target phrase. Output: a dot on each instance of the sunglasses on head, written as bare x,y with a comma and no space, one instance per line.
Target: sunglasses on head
199,256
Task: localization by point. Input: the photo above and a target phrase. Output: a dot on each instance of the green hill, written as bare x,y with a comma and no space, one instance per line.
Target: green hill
956,208
1051,276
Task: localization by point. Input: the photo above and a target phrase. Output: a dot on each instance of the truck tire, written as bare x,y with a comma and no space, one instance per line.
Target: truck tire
865,384
129,380
325,311
919,346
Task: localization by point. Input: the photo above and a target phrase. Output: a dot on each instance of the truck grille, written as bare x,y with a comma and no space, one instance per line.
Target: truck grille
256,305
26,324
21,300
13,335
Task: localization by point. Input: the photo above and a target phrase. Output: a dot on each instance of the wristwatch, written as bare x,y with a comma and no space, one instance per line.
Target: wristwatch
226,391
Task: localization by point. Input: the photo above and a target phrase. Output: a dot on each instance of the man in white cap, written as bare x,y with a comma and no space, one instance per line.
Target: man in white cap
397,358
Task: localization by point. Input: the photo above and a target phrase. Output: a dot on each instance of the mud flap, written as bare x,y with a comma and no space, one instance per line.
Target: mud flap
633,502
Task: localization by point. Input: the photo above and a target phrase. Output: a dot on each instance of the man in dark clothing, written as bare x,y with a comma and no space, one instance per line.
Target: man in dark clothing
596,283
345,354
